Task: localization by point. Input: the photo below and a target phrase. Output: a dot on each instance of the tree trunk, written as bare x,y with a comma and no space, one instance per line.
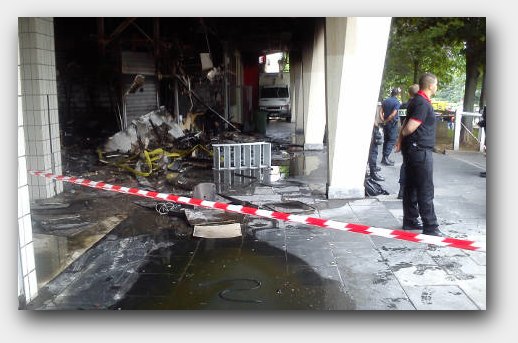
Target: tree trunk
482,102
472,73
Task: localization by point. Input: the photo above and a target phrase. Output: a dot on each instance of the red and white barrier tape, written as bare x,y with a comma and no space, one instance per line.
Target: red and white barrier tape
324,223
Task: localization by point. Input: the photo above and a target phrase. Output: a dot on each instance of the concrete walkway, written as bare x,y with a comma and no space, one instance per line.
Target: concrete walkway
436,277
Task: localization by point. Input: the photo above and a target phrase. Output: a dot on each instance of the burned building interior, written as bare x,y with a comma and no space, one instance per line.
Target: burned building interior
99,61
142,103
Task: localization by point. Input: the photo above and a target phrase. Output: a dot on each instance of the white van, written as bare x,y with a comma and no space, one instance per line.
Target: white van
276,101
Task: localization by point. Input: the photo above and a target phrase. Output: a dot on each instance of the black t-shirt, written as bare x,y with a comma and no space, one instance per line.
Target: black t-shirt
421,110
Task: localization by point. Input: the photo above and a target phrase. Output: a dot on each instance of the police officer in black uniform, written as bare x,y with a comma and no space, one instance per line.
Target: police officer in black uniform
416,141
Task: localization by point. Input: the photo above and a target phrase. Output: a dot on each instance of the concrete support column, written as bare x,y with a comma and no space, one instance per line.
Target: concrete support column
314,83
355,52
39,103
297,92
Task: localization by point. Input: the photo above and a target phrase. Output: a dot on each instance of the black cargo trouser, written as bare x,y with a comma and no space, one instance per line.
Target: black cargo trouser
418,187
373,151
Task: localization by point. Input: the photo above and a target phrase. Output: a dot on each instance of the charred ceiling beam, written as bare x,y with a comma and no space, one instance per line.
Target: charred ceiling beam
122,26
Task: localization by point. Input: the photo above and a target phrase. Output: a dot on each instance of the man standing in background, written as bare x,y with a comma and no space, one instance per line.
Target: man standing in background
389,108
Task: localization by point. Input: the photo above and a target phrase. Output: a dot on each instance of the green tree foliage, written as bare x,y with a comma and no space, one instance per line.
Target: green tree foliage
449,47
415,47
471,33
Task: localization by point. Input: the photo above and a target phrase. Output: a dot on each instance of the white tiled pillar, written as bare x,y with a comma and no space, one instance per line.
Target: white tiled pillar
39,103
315,89
355,52
27,282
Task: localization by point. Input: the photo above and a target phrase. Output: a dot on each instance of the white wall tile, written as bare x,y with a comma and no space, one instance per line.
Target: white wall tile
32,56
43,111
20,111
35,72
23,255
36,116
49,189
33,180
59,185
47,160
19,174
20,206
26,286
45,136
27,226
45,145
37,135
40,41
40,165
54,100
27,99
43,191
48,40
30,149
23,193
57,161
36,192
23,25
22,40
21,141
22,172
54,128
30,256
21,232
26,87
23,58
32,165
39,145
39,26
31,21
19,81
27,115
30,136
26,71
27,131
33,285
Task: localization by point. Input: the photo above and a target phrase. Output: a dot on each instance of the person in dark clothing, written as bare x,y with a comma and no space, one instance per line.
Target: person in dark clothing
390,107
416,141
376,140
412,91
482,125
373,155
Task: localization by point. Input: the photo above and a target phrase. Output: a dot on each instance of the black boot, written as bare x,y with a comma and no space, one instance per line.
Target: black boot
376,177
